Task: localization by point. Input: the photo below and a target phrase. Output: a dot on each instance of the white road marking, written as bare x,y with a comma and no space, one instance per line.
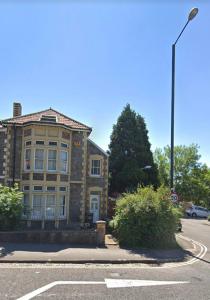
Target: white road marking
110,283
200,255
121,283
52,284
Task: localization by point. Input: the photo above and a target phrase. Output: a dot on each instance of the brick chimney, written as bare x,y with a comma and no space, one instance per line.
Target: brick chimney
17,109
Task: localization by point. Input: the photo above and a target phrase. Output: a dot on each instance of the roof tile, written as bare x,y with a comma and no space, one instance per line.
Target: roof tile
62,119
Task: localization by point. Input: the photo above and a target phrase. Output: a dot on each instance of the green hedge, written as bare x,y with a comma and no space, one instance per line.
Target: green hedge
146,219
10,207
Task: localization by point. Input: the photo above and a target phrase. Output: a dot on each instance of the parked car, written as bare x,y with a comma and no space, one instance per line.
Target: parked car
197,211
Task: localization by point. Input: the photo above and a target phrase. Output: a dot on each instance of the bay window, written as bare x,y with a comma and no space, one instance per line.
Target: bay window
63,161
39,159
37,206
50,207
27,160
25,205
52,154
62,205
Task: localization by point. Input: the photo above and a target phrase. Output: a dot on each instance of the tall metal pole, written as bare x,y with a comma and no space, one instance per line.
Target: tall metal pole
191,16
172,117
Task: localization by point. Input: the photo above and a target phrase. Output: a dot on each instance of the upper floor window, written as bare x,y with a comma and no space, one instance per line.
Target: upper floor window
27,160
96,167
52,154
64,161
39,159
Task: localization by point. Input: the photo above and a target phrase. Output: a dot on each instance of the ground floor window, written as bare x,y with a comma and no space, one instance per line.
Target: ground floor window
46,207
62,205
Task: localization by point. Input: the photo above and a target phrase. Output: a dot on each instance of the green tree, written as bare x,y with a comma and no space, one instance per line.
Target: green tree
10,207
191,178
130,153
146,218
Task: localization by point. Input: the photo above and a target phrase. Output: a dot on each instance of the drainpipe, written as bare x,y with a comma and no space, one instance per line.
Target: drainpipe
14,153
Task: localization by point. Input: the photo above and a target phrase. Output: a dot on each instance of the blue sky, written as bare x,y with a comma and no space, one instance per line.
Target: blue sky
88,59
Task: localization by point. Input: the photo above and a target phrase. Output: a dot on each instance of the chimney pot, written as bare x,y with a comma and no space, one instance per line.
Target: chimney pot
17,109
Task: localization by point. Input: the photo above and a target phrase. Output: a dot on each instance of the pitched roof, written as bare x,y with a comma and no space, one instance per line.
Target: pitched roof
35,117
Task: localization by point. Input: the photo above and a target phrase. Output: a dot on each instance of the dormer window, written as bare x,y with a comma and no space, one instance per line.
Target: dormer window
46,118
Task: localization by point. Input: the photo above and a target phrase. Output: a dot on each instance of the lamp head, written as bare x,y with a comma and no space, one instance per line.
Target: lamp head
192,13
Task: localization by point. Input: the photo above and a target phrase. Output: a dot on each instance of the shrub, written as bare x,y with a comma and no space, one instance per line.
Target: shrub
10,207
146,218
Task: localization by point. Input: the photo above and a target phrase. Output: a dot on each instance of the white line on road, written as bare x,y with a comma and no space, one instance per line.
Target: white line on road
200,255
110,283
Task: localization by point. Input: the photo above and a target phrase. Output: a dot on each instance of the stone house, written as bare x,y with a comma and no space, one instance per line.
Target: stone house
62,173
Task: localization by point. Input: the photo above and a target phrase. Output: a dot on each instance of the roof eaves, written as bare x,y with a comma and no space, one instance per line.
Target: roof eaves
98,147
72,119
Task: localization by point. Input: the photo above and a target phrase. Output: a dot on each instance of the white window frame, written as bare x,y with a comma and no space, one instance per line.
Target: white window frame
41,206
25,169
35,158
52,159
62,206
91,168
50,191
64,147
25,206
27,142
64,191
40,145
25,190
62,171
54,206
41,190
52,142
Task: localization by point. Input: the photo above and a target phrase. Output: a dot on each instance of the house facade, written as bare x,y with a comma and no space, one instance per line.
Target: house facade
62,173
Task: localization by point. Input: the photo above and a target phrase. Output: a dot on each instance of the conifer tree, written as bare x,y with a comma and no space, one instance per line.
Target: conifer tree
130,153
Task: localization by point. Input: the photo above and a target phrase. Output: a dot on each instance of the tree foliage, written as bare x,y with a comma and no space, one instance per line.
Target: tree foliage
130,153
10,207
191,178
146,218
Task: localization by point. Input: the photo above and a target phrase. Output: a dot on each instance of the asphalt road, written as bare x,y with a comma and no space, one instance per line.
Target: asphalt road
89,281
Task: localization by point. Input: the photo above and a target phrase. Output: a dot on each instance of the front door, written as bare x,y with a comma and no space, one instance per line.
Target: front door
94,207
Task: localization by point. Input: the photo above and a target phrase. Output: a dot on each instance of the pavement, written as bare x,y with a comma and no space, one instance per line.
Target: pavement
111,253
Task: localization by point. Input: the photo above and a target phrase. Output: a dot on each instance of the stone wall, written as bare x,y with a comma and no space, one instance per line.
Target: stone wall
70,236
97,185
2,145
18,152
76,156
75,202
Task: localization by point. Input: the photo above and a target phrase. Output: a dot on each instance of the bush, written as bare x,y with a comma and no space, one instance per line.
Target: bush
146,219
10,207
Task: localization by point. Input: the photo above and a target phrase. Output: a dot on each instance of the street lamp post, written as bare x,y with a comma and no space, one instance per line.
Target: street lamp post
192,14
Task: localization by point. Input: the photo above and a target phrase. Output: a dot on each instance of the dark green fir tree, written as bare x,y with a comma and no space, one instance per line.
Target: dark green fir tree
131,161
